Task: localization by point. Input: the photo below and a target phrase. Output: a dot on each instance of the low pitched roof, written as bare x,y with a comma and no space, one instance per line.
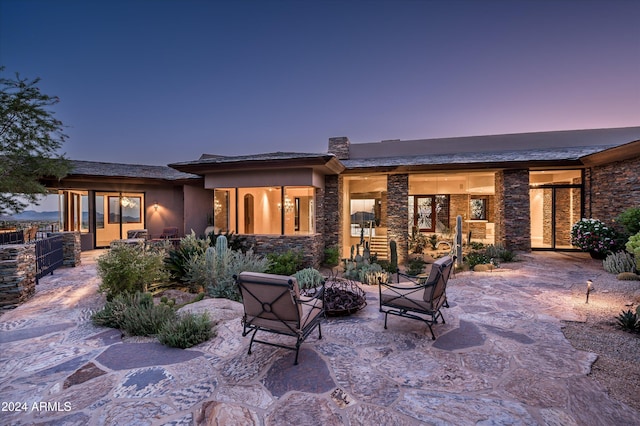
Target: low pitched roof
218,163
140,171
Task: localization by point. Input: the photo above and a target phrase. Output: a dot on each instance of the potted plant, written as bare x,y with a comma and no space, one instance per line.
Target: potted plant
593,236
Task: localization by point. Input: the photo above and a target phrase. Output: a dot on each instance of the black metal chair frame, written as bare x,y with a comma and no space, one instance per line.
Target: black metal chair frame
397,304
285,291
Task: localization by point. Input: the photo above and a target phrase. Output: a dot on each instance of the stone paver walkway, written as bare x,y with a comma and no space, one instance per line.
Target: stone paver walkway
501,358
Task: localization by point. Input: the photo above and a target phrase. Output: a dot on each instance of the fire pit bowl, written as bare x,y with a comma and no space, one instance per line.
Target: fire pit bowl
343,297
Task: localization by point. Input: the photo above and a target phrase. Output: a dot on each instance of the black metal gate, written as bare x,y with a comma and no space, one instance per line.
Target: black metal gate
49,255
13,237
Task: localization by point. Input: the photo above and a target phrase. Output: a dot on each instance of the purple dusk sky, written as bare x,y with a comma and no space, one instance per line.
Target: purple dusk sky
156,82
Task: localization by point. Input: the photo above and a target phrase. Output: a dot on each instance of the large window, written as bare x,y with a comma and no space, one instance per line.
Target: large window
275,210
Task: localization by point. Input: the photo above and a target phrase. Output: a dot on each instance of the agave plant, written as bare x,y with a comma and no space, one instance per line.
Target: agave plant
628,321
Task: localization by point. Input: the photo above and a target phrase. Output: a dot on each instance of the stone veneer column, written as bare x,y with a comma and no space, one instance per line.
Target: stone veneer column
513,214
71,248
397,213
17,274
332,210
339,147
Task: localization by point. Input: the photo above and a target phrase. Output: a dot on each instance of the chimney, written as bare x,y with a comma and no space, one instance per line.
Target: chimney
339,147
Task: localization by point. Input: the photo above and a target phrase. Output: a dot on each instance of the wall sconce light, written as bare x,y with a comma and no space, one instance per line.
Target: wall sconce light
155,206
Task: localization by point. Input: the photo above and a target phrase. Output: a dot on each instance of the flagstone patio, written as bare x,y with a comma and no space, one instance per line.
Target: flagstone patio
501,358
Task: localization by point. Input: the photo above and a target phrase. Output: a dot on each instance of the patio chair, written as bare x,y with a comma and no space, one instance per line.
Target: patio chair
169,232
272,303
419,299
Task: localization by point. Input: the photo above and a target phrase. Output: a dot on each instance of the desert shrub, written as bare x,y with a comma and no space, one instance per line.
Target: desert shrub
135,314
287,263
633,247
178,258
146,320
415,266
369,274
130,268
113,311
309,278
630,220
186,330
618,262
417,242
214,270
498,251
477,258
476,245
331,256
235,242
433,241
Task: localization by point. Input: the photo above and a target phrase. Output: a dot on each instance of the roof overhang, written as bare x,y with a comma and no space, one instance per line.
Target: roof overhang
322,163
618,153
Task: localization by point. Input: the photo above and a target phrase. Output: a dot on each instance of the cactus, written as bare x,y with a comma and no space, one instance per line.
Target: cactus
308,278
222,246
393,247
458,243
628,276
618,262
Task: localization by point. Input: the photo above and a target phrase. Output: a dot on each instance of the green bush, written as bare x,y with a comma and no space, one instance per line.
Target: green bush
178,259
146,320
498,251
286,263
331,256
216,275
415,266
633,247
130,268
135,314
630,220
186,331
113,311
477,258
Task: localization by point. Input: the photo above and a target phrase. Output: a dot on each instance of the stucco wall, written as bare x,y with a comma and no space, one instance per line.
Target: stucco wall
311,246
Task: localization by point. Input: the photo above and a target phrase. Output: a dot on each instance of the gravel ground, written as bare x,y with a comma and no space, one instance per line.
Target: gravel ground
618,365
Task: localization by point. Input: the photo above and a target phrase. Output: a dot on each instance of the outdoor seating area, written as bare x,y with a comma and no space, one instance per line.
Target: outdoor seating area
418,298
273,304
501,357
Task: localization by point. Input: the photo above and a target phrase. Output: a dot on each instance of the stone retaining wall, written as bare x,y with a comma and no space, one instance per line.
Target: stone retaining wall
18,268
311,246
17,274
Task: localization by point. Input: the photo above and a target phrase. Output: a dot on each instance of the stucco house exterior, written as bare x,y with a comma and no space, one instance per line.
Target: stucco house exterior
524,191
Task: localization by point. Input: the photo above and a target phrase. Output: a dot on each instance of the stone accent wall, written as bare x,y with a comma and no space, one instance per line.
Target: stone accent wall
397,213
615,187
312,246
17,274
332,216
513,214
71,248
339,147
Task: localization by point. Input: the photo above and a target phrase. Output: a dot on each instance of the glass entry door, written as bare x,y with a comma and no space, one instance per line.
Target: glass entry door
554,210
